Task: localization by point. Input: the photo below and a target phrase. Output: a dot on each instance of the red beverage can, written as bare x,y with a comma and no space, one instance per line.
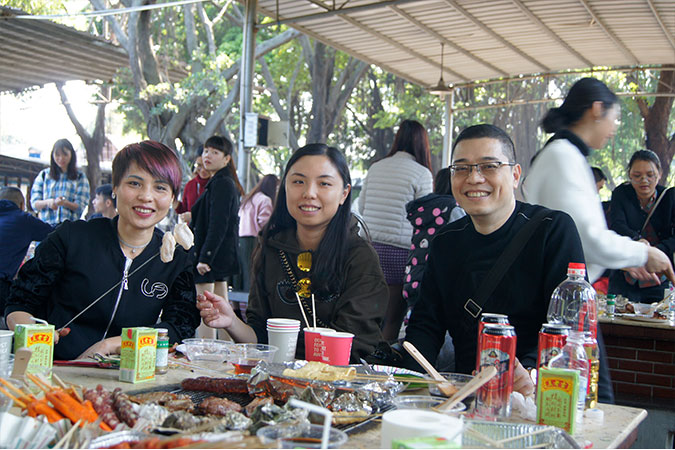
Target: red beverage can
497,347
499,319
552,338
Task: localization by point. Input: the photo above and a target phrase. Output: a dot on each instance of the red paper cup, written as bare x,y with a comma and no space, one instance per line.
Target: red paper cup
314,343
337,347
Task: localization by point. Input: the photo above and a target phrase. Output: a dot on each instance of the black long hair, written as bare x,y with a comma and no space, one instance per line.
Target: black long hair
267,185
581,97
55,171
328,262
645,155
225,146
412,138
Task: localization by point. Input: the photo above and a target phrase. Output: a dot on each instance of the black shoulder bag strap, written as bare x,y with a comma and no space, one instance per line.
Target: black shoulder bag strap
474,306
651,212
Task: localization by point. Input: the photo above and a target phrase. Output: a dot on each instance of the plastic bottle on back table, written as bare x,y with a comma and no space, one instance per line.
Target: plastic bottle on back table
573,356
573,303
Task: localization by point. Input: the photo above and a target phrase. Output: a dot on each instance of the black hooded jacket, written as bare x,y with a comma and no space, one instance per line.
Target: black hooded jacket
79,262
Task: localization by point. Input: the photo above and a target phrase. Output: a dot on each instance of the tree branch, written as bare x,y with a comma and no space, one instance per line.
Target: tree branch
208,29
81,131
121,36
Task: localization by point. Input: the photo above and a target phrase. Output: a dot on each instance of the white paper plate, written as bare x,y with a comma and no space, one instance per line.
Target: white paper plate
641,318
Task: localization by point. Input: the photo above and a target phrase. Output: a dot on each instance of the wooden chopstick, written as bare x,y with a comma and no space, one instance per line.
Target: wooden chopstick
13,397
400,378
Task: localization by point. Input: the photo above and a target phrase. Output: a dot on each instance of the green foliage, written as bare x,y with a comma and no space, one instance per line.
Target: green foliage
38,7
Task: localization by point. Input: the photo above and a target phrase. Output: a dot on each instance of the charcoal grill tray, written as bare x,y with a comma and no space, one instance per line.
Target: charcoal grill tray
243,400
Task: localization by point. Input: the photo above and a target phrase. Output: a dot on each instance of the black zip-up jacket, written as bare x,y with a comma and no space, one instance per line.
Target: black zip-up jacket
627,217
81,260
215,224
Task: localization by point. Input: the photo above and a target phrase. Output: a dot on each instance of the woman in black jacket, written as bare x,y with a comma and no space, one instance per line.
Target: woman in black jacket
631,205
115,261
215,222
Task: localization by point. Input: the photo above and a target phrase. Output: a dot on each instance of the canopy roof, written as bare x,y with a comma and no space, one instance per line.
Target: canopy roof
37,52
487,39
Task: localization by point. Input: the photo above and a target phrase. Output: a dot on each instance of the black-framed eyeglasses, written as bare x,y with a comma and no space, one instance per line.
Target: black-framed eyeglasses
636,178
485,169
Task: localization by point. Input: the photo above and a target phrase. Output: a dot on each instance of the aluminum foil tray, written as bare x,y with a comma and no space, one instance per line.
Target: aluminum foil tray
496,431
117,438
243,400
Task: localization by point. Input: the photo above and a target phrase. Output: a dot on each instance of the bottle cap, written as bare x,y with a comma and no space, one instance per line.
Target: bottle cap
595,415
576,269
611,301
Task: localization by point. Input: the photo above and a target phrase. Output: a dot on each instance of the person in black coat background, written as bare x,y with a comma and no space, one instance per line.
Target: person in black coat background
215,222
631,204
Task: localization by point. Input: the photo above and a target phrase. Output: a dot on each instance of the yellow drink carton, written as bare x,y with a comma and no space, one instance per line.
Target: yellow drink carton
138,354
557,396
40,339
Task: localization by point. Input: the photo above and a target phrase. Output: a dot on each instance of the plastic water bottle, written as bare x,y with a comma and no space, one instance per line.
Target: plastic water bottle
573,356
671,306
573,303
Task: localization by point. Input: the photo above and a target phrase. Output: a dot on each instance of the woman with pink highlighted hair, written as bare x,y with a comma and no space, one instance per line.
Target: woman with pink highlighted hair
110,268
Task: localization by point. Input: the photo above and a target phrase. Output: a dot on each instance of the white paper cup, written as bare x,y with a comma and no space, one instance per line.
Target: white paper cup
283,323
286,340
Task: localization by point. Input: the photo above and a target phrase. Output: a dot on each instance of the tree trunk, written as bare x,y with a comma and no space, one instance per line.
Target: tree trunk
93,143
656,118
328,97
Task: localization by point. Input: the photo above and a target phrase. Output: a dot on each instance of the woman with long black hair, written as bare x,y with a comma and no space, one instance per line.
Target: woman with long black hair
60,192
310,246
644,211
215,222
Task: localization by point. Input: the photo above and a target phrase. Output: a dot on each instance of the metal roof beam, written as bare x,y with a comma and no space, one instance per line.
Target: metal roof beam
614,38
446,41
550,32
489,31
334,12
657,16
400,46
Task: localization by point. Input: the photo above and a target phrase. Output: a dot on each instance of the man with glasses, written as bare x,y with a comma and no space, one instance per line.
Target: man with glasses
484,176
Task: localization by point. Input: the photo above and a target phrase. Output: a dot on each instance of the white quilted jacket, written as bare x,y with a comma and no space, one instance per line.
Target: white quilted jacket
389,185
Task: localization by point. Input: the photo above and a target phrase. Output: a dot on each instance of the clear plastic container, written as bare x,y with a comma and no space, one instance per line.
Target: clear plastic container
425,402
285,436
573,356
457,379
207,349
244,357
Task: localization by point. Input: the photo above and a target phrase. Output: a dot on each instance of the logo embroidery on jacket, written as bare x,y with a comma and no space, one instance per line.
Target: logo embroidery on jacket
158,289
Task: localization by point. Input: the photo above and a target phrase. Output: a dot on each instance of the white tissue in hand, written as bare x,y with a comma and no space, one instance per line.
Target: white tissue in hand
524,407
168,247
184,235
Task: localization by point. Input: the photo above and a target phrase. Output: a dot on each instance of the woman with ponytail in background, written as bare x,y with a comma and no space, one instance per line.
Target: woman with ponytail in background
561,178
215,223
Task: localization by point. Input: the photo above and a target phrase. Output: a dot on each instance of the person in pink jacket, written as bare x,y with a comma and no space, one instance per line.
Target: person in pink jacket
254,212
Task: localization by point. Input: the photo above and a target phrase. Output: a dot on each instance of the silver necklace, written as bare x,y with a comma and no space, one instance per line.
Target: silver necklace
132,247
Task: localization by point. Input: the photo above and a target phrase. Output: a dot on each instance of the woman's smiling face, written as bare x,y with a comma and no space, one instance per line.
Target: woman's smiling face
142,200
314,191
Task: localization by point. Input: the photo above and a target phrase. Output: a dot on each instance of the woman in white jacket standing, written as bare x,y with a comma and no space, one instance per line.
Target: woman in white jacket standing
403,175
561,178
